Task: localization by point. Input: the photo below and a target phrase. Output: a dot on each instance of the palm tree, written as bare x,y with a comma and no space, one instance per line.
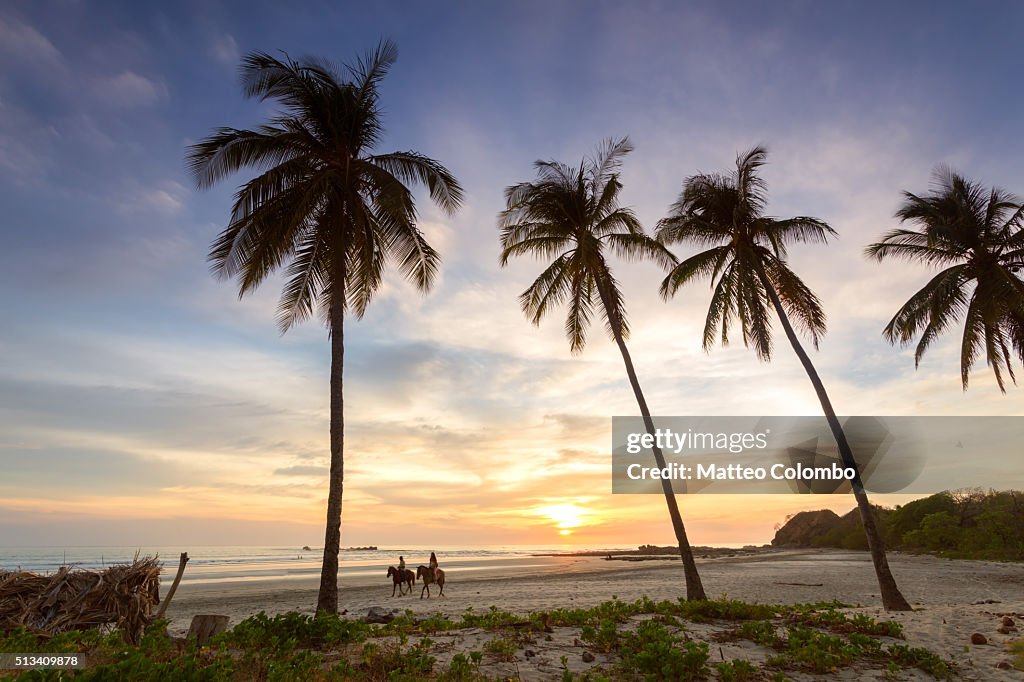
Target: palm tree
747,263
976,236
327,206
572,214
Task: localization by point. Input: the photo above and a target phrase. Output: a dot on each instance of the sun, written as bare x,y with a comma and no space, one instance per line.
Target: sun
566,516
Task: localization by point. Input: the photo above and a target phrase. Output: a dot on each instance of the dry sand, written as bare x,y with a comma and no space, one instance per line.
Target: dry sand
952,599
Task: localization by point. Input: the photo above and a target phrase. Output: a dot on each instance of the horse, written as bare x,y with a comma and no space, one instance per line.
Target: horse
437,576
401,578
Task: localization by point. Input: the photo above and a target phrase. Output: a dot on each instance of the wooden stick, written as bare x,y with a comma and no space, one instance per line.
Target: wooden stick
174,586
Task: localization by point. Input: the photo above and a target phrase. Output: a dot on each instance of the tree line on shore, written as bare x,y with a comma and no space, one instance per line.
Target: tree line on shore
959,524
333,213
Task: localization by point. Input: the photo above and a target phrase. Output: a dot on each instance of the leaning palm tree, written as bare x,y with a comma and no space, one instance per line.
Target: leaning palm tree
747,263
572,214
977,237
324,208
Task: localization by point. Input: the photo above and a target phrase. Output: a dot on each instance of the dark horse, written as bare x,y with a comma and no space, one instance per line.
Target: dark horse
428,578
401,579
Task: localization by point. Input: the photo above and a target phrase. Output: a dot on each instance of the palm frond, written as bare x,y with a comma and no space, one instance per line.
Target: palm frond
229,150
801,304
412,167
581,310
307,275
549,289
632,246
704,264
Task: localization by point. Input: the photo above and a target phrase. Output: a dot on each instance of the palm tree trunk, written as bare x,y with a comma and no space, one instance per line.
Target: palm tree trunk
694,587
892,598
327,599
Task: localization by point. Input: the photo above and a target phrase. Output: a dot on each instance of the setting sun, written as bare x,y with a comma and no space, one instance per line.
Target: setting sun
566,516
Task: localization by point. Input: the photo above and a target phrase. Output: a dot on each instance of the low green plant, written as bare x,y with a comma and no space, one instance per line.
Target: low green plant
288,631
394,662
1016,649
760,632
817,651
603,638
502,648
723,609
654,653
463,668
737,670
920,658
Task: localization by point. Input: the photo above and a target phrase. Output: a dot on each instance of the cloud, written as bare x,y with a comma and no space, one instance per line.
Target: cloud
27,45
301,470
167,198
129,89
224,49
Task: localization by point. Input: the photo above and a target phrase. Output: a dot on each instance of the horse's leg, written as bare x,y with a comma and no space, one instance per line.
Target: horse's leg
441,584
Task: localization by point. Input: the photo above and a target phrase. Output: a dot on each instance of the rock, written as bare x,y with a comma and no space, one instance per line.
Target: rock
548,638
529,653
986,601
1003,630
804,527
978,638
1003,665
588,657
577,642
1008,622
378,614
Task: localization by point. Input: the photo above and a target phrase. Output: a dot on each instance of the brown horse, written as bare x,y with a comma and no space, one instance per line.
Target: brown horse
401,579
436,577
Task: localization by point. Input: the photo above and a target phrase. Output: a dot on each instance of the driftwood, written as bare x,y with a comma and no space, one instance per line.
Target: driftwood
204,627
122,595
174,586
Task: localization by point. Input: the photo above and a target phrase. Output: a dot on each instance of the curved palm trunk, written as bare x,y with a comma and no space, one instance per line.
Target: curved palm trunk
892,598
694,587
327,599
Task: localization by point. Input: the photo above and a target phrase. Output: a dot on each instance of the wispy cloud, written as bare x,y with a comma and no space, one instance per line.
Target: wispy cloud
129,89
27,45
224,49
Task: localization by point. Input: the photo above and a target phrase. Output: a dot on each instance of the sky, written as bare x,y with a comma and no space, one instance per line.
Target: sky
142,403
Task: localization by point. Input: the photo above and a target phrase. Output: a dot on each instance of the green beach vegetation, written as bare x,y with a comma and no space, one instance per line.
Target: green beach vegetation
639,640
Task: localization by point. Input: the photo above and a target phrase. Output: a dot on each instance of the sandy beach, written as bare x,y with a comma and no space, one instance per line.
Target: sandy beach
952,599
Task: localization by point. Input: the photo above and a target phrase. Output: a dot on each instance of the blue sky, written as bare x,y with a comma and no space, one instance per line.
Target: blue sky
138,393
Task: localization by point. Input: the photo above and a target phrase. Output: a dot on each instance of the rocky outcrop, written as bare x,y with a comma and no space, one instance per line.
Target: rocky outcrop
802,528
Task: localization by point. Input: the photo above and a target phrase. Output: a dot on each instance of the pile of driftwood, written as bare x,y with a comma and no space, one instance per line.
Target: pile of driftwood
122,595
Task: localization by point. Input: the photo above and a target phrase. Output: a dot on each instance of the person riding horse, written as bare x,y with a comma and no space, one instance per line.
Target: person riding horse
433,565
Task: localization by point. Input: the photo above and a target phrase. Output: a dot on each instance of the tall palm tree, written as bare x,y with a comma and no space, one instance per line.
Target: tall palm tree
977,236
326,205
572,214
747,263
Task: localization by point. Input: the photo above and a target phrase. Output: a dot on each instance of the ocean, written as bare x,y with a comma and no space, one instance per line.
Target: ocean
219,564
